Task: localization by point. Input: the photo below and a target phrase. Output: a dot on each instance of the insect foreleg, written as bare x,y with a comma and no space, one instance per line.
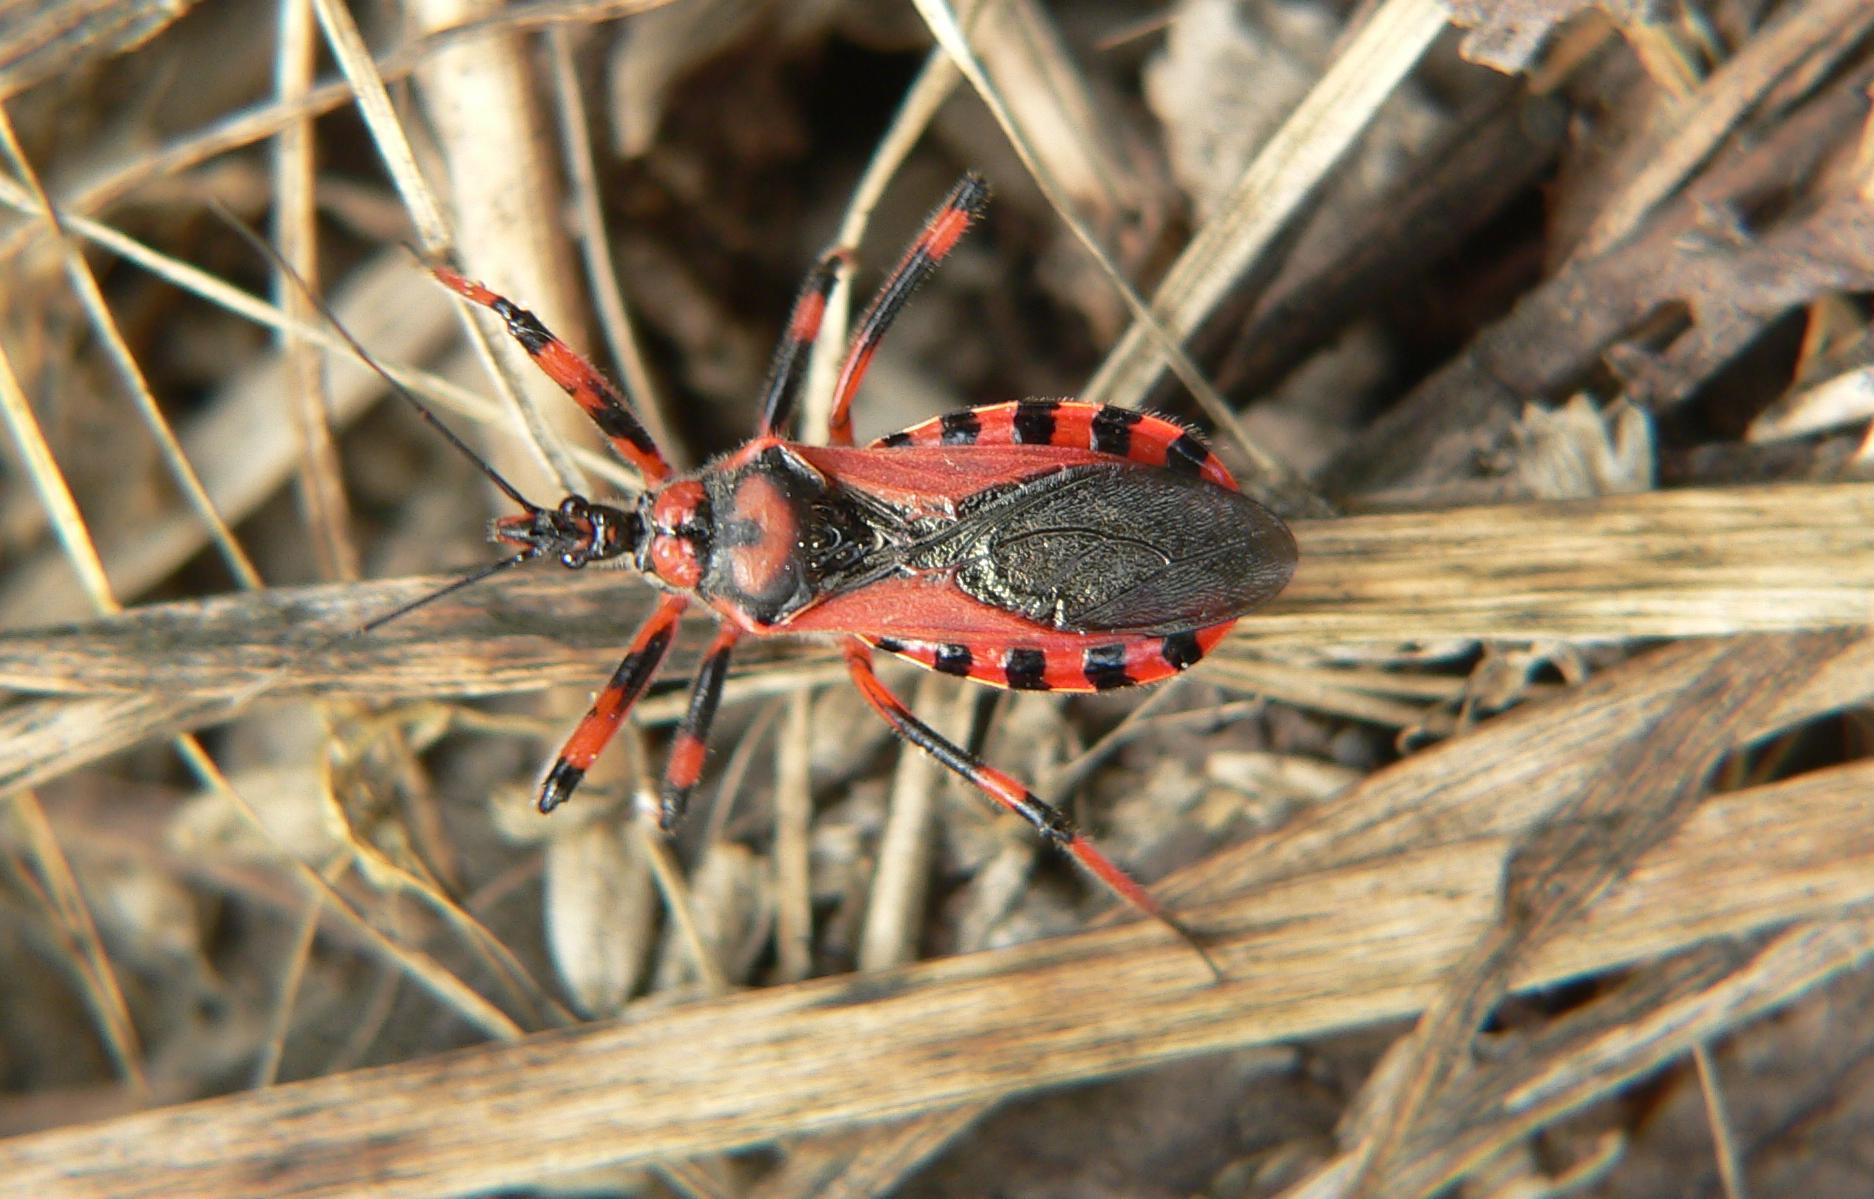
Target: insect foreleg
608,709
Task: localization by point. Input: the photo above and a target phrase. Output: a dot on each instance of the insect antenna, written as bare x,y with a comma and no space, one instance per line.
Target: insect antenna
474,576
534,515
266,250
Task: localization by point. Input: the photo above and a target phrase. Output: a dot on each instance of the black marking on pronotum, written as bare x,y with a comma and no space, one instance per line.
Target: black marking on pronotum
953,659
890,645
1025,668
960,428
1181,650
1034,422
901,437
1112,430
1105,666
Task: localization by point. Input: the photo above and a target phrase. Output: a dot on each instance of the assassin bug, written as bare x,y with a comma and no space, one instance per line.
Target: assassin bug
1044,545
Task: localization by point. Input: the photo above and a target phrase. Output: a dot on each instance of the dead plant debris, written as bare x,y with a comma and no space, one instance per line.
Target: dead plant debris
1531,827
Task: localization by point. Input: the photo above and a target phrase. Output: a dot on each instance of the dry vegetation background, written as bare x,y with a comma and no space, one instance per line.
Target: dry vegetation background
1533,827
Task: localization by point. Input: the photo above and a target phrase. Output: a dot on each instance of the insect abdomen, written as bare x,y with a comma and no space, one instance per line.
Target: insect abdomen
1062,662
1068,424
1084,547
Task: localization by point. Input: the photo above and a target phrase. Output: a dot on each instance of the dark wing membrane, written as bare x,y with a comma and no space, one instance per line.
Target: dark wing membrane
1115,548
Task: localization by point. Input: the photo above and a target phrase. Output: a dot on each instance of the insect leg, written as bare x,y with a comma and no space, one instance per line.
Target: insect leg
788,369
941,234
608,710
592,391
1050,822
686,752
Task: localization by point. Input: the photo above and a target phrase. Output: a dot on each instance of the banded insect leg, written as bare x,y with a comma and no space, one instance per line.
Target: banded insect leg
1050,822
689,747
787,371
942,231
608,710
591,390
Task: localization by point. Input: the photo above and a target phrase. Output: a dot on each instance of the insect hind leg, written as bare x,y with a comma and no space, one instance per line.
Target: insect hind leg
1049,821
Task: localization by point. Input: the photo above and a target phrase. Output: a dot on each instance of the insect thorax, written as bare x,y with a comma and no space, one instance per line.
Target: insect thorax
784,536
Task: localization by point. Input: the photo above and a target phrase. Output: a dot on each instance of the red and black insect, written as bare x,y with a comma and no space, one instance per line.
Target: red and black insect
1044,545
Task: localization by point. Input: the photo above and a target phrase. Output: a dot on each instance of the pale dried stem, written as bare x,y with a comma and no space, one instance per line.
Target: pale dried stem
816,1055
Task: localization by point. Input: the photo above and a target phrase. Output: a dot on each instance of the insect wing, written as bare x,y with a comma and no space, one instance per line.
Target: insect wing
1045,539
1117,548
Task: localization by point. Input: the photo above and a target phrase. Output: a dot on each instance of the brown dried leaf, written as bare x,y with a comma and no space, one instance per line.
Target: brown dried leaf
1442,439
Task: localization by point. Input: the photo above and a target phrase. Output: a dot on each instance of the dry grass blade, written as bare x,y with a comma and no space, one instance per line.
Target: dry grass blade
955,41
1575,686
354,58
1689,563
583,184
1274,187
1730,1168
45,740
1655,1017
1081,137
79,550
895,915
1504,778
1804,37
1648,785
793,812
240,447
58,891
824,1053
328,514
1683,563
85,284
228,653
479,93
47,38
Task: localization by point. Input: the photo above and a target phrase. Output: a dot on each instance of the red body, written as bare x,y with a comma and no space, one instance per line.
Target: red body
1045,545
1043,564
